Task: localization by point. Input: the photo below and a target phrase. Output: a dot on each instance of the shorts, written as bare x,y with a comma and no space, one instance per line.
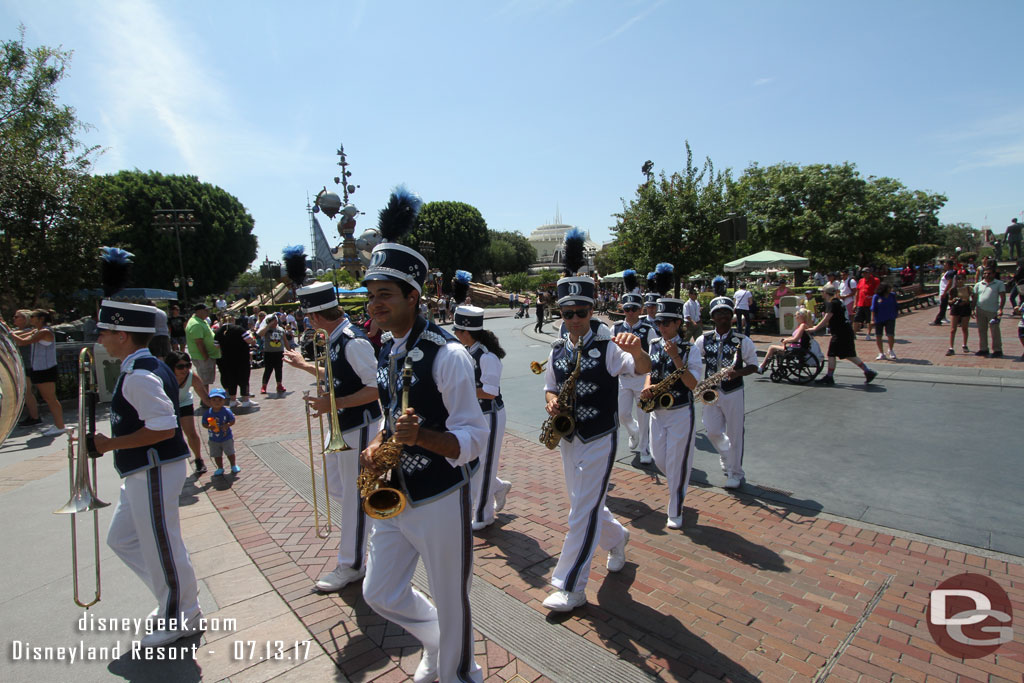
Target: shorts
1020,333
206,369
43,376
221,448
186,411
179,342
961,310
842,346
889,326
863,314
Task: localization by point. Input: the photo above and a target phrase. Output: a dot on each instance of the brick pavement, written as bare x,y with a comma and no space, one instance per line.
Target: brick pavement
749,590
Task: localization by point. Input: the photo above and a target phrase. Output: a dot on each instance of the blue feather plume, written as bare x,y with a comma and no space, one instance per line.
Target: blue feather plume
295,263
115,265
663,277
460,285
629,280
399,216
574,259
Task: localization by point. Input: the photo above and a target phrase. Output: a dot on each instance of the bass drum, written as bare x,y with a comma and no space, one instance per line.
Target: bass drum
13,383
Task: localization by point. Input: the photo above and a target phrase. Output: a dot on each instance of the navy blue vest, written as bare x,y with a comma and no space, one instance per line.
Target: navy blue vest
732,351
597,392
124,420
423,475
488,405
347,382
643,330
662,366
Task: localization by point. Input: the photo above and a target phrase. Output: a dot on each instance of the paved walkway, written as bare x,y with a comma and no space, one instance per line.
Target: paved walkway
748,590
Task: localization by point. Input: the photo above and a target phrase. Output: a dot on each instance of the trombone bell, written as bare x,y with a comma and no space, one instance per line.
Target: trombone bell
538,367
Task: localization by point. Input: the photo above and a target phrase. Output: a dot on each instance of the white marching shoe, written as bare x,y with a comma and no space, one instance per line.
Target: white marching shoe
645,458
565,601
339,578
501,494
617,555
634,437
733,482
675,522
426,672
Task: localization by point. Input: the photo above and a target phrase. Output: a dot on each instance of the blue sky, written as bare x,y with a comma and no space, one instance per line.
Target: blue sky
522,106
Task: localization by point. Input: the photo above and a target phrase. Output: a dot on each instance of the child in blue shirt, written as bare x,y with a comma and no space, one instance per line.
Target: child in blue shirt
218,420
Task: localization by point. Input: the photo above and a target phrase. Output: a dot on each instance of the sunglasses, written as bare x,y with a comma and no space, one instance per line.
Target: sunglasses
569,315
182,366
659,323
629,309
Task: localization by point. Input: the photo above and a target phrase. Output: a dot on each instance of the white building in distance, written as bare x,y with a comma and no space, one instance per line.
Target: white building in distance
549,241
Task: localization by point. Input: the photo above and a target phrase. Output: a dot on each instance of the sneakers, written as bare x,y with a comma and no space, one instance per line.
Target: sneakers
480,526
186,628
950,352
869,375
675,522
617,555
966,350
646,459
280,388
760,369
200,466
339,578
880,356
426,672
634,439
935,323
247,404
263,389
54,430
501,494
219,472
235,469
733,482
564,601
827,381
892,355
30,422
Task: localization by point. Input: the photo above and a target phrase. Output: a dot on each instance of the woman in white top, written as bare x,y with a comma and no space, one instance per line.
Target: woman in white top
42,370
489,492
181,363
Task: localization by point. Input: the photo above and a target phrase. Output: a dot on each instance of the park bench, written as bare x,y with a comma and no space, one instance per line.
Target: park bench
914,296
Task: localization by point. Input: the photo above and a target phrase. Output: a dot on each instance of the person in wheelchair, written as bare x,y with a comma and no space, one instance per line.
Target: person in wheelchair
798,342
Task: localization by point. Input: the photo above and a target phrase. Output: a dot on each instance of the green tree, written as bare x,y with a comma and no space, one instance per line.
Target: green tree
252,283
510,252
48,229
460,238
214,253
516,282
673,218
961,235
610,259
832,215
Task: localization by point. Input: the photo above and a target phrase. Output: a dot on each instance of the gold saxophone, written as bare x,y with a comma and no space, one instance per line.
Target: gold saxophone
557,426
706,390
382,502
660,396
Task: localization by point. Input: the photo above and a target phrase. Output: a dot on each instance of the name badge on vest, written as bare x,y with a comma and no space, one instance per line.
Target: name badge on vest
594,353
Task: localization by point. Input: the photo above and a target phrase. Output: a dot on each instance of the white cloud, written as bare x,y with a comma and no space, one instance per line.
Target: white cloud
763,81
625,26
995,141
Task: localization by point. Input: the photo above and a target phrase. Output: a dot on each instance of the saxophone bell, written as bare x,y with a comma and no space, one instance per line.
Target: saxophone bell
708,397
536,367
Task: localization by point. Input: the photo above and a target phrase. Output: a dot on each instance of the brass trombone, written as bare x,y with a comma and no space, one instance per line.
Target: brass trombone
324,531
538,367
83,490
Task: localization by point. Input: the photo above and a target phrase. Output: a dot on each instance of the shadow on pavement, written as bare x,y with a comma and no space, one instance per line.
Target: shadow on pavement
731,544
696,654
152,665
353,643
519,551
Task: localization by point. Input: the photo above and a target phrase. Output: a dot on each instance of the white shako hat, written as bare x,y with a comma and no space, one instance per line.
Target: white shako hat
397,262
575,291
469,318
670,308
319,296
722,302
632,300
651,299
121,316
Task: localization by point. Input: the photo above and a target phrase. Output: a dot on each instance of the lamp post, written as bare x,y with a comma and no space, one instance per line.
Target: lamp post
177,220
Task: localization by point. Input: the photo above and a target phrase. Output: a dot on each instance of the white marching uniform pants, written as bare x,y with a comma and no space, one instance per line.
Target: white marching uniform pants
342,473
439,532
145,532
726,418
672,438
587,467
485,480
629,397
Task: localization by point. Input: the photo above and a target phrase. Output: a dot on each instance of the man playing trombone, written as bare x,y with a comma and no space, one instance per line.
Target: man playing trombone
354,370
151,457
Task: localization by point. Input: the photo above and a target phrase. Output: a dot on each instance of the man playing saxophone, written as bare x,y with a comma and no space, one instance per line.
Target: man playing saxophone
588,450
668,387
724,349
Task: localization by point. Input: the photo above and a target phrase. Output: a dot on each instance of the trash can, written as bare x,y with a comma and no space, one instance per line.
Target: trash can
107,370
788,306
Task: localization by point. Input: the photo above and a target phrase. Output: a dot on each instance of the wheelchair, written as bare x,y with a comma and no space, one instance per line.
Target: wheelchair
796,366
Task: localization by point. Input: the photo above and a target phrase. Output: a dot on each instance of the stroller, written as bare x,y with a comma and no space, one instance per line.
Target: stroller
524,310
256,355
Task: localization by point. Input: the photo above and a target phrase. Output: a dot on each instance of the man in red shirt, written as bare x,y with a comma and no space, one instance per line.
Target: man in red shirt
865,290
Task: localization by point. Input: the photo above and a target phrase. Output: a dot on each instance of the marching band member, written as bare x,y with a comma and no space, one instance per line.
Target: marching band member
151,457
672,428
588,450
630,386
717,349
442,432
651,300
354,369
489,492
